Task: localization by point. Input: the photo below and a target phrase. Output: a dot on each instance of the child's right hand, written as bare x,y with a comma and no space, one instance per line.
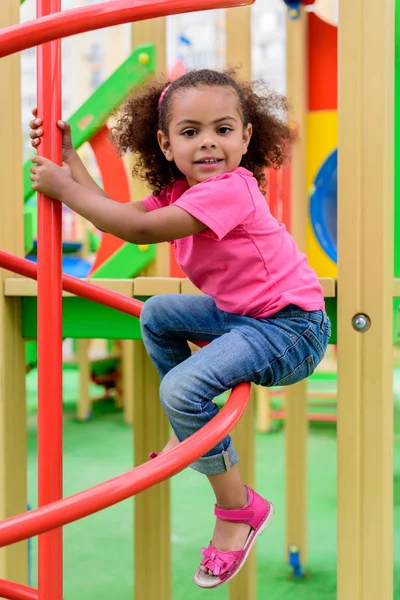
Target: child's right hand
36,133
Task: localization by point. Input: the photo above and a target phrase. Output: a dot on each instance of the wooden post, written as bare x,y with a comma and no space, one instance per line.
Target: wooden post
83,361
238,54
243,436
152,507
263,408
128,387
365,283
13,490
296,396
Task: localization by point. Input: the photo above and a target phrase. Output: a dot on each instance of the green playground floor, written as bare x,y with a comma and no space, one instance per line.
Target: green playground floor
98,551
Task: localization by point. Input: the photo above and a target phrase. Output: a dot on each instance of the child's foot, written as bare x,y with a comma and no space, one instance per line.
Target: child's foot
229,536
235,533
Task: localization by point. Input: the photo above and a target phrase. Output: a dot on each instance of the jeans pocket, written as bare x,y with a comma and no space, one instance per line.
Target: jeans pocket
302,371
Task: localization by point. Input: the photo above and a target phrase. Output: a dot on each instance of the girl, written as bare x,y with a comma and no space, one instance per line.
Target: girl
202,143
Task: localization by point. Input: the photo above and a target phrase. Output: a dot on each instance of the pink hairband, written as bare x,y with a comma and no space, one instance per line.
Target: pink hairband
165,90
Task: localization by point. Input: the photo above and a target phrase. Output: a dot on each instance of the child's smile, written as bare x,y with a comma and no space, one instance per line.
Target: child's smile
206,133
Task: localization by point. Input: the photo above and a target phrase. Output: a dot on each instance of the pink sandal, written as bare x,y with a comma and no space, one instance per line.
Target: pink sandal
225,565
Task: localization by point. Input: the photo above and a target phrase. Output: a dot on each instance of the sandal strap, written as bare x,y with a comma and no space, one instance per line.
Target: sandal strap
252,514
238,515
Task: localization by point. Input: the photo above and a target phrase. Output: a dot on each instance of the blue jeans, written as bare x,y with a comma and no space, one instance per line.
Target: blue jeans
280,350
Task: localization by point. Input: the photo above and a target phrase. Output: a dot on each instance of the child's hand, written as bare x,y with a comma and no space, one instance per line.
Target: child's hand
50,179
36,133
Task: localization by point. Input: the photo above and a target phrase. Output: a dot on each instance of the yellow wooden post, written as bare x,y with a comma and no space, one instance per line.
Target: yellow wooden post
83,360
152,507
263,408
127,380
296,395
238,54
244,585
365,283
13,492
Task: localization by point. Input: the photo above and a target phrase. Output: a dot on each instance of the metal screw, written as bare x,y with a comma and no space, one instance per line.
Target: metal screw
361,322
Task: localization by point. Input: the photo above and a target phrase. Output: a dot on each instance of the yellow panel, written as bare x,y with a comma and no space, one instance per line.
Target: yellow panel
322,139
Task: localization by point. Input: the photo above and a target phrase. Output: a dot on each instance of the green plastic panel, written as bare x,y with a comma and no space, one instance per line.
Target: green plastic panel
127,262
331,309
28,232
83,319
31,353
396,320
93,114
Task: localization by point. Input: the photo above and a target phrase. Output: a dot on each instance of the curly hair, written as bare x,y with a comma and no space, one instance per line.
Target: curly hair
141,117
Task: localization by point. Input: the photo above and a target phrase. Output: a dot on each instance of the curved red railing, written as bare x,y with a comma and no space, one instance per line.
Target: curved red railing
87,18
167,464
90,291
16,591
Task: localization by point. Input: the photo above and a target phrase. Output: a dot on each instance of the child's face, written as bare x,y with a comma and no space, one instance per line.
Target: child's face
206,135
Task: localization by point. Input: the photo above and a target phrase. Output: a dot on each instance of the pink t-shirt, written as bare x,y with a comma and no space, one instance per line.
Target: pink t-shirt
245,259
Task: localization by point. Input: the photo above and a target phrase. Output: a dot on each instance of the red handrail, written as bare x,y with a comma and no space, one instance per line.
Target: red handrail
15,591
87,18
79,287
167,464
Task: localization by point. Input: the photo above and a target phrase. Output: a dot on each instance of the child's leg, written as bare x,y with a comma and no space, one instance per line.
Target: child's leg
242,349
190,383
166,321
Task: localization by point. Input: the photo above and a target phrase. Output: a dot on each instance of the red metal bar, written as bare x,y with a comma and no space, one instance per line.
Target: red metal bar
273,191
122,487
87,18
82,288
50,480
16,591
286,195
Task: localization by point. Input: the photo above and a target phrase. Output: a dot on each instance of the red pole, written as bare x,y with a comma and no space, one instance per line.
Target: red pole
49,316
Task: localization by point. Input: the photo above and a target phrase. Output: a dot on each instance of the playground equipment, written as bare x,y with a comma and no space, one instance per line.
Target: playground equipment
365,285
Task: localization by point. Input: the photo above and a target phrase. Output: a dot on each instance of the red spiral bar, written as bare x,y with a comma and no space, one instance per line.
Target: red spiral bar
96,16
90,291
16,591
167,464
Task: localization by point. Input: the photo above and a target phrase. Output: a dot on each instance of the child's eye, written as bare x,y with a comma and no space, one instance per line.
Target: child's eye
189,132
224,129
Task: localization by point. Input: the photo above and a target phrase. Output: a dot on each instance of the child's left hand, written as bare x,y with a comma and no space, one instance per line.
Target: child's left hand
48,178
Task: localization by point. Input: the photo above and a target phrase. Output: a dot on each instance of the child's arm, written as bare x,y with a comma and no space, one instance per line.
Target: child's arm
122,220
81,174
